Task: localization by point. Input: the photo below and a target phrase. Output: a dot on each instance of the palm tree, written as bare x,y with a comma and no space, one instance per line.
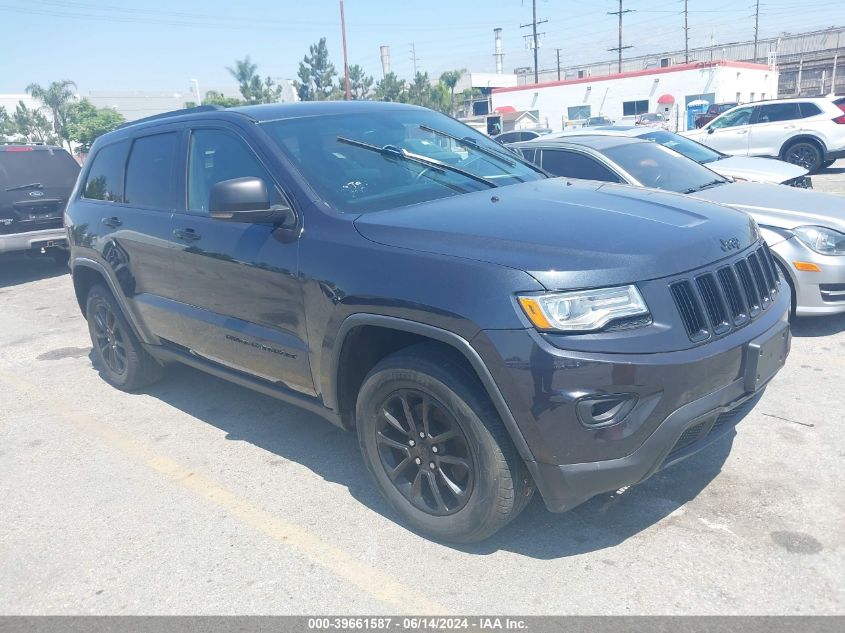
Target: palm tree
451,78
56,97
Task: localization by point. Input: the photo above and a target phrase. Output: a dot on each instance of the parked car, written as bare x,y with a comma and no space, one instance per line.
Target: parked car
752,168
809,132
805,229
652,119
593,121
35,184
515,136
713,111
485,329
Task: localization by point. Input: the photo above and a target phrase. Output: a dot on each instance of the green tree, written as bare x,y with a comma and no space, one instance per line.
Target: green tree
7,128
391,88
451,78
56,97
32,126
252,88
419,90
440,98
213,97
86,122
360,84
316,74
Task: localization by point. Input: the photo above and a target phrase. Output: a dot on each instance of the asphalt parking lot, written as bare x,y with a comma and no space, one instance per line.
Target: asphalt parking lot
198,496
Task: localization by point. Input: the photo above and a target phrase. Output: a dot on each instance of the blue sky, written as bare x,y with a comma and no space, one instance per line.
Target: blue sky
161,45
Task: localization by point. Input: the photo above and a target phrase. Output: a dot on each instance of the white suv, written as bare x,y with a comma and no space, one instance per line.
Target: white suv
809,132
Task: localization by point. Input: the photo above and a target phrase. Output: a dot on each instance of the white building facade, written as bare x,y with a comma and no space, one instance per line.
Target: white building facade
666,90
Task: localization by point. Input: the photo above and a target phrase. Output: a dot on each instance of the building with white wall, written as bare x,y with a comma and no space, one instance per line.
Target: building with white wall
667,90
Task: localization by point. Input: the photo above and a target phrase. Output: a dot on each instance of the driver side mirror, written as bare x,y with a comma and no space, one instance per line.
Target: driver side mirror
710,130
246,200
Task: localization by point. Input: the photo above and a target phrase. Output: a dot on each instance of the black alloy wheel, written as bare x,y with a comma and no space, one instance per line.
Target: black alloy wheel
109,339
805,155
424,452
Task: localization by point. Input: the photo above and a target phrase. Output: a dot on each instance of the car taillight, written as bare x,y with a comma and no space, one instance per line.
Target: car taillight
840,120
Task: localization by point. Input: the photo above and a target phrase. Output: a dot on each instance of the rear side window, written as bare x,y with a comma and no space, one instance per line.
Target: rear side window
779,112
528,154
576,165
149,172
809,109
53,168
105,178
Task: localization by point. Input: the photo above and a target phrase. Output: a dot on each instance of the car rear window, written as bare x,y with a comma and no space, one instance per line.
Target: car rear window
105,177
53,168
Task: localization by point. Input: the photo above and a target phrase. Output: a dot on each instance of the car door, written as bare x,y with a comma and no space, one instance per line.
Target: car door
728,133
132,184
575,164
773,124
241,300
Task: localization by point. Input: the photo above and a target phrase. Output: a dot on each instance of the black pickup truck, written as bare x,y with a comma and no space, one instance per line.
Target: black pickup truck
484,328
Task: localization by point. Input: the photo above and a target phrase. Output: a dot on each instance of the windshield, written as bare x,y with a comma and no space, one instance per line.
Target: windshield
353,178
53,169
689,148
656,166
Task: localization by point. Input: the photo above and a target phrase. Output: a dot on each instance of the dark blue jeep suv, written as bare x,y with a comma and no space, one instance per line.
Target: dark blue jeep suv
484,328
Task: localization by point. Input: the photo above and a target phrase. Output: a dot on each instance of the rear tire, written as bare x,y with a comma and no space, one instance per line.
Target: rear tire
806,154
470,481
122,360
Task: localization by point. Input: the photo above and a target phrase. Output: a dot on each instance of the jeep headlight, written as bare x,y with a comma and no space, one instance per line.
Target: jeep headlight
582,310
821,239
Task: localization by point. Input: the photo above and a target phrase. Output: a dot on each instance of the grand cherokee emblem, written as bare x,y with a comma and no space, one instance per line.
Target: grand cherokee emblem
730,244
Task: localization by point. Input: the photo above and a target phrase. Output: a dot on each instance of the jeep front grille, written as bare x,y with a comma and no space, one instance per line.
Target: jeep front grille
715,302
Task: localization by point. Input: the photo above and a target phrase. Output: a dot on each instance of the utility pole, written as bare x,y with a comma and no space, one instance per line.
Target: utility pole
535,43
414,57
756,28
558,63
345,59
686,32
620,48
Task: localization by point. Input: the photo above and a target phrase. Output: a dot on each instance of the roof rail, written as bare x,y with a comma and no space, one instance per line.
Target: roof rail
167,115
22,143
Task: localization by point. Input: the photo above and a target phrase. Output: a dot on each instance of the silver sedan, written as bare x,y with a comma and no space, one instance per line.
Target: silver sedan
804,229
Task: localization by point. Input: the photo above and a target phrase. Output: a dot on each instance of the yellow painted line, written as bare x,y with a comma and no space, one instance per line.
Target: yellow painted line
370,580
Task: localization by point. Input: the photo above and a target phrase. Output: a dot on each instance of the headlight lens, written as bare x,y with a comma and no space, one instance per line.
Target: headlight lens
822,240
582,310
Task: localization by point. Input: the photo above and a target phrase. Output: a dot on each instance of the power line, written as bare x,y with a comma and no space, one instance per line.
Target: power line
620,48
756,28
535,42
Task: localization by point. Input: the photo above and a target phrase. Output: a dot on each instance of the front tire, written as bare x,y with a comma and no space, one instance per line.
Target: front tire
805,154
436,447
122,360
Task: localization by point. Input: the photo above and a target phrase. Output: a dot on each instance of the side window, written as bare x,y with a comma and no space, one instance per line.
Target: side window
105,178
528,154
576,165
218,155
149,172
779,112
732,119
809,109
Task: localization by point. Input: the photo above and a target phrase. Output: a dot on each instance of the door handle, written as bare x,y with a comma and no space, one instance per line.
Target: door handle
742,131
112,222
186,235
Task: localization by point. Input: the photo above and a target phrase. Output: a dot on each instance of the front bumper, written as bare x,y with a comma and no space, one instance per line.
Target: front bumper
46,238
684,401
816,293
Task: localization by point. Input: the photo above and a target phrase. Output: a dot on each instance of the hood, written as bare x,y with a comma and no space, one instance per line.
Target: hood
780,206
757,169
568,233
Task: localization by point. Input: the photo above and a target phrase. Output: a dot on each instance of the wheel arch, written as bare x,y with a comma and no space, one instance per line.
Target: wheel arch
86,273
403,333
802,138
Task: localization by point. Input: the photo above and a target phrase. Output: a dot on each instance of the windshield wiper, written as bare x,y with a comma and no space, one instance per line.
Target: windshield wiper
391,151
706,185
32,185
468,142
